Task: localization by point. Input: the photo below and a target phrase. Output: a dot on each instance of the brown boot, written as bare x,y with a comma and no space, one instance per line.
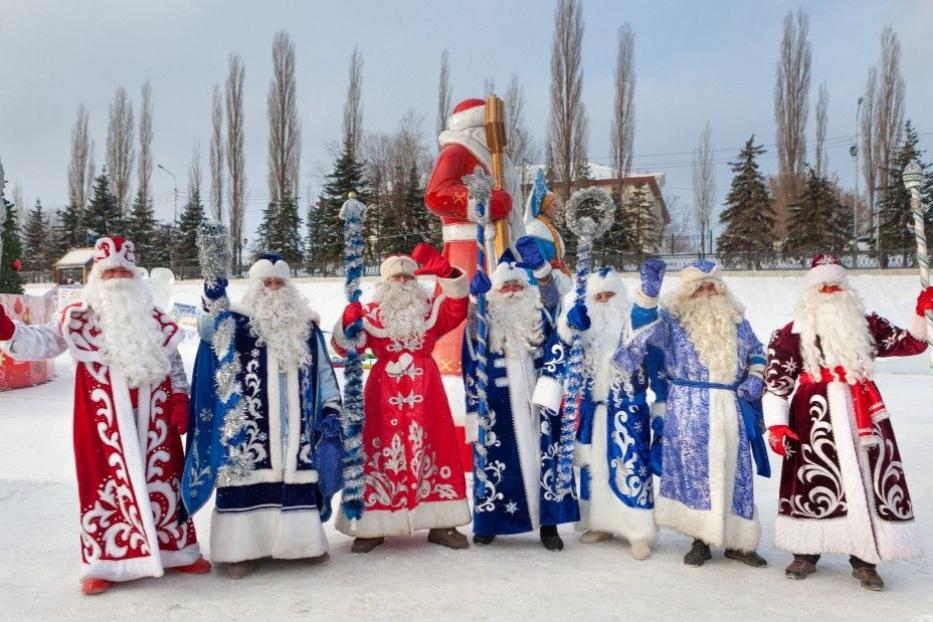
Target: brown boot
449,537
866,574
366,545
242,569
749,558
320,560
802,567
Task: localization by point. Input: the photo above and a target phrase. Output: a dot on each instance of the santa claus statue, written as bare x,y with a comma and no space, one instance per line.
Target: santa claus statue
463,148
130,410
842,484
413,475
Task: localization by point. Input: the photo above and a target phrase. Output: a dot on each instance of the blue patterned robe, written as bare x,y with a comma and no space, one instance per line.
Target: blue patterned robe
521,467
706,490
614,432
276,474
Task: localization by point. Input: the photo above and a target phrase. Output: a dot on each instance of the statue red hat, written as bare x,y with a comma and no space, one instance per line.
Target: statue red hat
114,252
468,113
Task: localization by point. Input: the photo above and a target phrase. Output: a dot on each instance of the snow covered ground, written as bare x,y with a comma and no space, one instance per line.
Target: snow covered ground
408,579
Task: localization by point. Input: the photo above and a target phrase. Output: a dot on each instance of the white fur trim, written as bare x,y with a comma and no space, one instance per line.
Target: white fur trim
507,271
542,272
459,231
644,301
397,264
266,532
536,228
917,327
522,376
470,428
826,273
265,269
658,409
471,117
378,523
454,288
776,409
548,392
691,274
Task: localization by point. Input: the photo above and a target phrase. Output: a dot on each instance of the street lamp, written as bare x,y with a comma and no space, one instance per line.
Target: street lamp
174,183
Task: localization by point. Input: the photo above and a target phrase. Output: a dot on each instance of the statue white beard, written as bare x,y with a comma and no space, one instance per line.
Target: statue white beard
711,323
281,321
403,308
514,321
838,321
131,337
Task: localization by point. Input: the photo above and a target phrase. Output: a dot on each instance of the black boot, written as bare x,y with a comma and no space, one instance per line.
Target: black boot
698,554
802,567
550,539
749,558
866,574
482,540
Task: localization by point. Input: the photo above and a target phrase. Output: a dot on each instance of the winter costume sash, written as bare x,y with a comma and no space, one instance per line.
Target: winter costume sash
866,401
752,417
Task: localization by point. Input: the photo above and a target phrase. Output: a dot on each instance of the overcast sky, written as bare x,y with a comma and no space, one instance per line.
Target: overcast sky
694,61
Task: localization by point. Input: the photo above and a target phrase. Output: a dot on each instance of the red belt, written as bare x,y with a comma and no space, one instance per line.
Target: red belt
866,399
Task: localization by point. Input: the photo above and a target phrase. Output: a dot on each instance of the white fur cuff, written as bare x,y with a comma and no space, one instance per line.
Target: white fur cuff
776,409
547,393
456,287
917,327
471,428
658,409
644,301
543,271
338,335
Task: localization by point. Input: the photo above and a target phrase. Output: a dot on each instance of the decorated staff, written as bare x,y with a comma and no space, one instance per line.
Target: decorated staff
587,231
913,176
479,186
353,214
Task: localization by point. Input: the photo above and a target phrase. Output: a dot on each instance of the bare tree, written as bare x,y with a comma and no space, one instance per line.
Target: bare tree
284,126
91,172
144,174
217,155
822,114
623,120
236,155
869,145
889,109
80,157
489,87
520,146
443,93
568,116
704,184
194,171
120,154
353,107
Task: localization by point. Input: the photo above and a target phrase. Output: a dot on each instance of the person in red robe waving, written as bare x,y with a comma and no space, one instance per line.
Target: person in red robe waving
130,410
413,476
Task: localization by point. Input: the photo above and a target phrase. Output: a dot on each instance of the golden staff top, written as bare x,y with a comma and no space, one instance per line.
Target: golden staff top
496,141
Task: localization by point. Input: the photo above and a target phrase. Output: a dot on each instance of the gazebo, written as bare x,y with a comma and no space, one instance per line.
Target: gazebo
74,267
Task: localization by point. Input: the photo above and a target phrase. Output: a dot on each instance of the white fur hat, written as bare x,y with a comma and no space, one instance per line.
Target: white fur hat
468,113
826,269
507,271
397,264
113,252
700,270
269,266
605,280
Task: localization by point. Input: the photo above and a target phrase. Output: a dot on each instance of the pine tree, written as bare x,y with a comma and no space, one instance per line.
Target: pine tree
141,227
10,281
287,239
71,232
36,237
819,222
639,222
185,251
897,221
325,229
103,217
749,214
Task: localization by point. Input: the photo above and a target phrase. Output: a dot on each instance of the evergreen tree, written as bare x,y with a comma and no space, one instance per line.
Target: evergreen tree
749,214
141,228
36,237
819,222
102,217
71,232
10,281
185,251
897,221
325,229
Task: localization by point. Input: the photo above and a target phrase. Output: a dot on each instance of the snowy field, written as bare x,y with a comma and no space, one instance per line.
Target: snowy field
408,579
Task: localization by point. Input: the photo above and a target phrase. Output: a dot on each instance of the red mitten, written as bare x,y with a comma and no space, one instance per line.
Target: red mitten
431,261
925,301
7,327
352,313
777,438
178,412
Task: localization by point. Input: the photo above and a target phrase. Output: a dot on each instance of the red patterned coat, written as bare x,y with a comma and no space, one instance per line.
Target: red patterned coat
837,495
412,469
128,459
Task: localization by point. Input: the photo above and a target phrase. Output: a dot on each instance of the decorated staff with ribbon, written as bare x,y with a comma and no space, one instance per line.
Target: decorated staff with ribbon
587,231
913,177
265,417
353,215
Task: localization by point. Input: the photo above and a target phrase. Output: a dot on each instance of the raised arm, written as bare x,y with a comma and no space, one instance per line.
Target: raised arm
30,343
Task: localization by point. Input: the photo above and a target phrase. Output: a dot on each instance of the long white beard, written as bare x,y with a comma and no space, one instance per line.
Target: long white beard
711,323
131,337
515,321
281,321
608,320
838,321
403,309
